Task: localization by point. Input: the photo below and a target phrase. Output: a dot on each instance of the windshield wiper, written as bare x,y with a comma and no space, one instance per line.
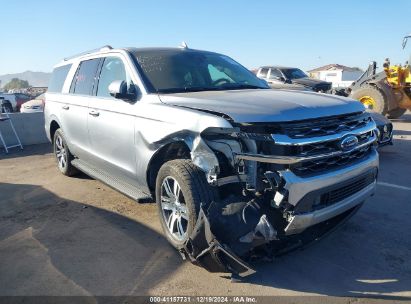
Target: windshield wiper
240,86
188,89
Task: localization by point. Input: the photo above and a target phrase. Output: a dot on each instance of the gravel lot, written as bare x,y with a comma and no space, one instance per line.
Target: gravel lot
76,236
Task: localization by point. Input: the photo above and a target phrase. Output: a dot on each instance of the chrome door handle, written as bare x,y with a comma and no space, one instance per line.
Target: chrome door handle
65,107
94,113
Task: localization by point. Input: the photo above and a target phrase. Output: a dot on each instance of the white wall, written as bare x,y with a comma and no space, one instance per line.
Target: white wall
29,127
339,78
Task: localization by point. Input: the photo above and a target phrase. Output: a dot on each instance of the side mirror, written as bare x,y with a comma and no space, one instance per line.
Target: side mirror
118,89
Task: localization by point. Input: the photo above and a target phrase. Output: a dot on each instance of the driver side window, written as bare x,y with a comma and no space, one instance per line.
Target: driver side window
113,69
216,74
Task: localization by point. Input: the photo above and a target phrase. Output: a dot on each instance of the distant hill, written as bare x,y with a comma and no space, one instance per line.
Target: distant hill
35,79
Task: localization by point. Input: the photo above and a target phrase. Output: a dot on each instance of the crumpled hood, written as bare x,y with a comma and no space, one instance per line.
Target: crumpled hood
265,105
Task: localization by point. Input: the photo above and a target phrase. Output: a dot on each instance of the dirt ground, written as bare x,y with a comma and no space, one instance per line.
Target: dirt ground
76,236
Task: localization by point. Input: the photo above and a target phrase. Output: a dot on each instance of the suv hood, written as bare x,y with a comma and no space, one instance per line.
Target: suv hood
265,105
310,82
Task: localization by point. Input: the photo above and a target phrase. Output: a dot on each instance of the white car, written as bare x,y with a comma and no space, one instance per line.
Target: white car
8,103
34,105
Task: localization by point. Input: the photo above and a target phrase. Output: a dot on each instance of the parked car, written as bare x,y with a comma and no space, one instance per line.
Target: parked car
384,129
232,164
279,77
13,101
9,103
34,105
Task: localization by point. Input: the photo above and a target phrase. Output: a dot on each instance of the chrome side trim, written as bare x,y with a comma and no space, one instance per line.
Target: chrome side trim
275,159
298,187
282,139
300,222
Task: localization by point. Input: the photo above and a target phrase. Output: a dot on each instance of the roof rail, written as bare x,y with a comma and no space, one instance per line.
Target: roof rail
103,48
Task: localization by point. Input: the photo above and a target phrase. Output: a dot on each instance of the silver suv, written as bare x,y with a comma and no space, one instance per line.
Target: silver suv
236,169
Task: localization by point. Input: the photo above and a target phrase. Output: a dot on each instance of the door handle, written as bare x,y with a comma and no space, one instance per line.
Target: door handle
65,107
94,113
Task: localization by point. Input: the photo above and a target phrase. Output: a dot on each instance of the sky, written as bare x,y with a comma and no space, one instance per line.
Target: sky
307,34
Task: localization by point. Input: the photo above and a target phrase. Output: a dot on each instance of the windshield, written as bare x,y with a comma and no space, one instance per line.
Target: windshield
293,73
172,71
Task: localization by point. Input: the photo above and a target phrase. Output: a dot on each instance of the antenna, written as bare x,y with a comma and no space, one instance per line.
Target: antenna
404,42
184,45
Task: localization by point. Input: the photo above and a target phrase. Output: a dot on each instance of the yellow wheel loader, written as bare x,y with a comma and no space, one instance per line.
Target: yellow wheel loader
387,92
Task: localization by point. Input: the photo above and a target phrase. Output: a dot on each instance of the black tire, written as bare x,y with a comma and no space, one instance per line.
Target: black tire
194,190
376,94
396,113
6,107
63,154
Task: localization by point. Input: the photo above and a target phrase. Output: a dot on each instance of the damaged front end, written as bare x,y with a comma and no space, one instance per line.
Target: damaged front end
280,186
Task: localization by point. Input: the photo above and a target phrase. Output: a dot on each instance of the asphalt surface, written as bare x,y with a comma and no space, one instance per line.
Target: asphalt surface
76,236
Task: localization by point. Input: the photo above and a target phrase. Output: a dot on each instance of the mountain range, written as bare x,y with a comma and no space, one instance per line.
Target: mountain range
35,79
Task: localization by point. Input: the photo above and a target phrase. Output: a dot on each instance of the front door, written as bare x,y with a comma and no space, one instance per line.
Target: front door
111,123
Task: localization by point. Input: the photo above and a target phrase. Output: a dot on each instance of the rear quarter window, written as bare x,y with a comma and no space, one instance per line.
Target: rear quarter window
57,78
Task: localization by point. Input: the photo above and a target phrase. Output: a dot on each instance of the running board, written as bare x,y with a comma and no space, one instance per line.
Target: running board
115,183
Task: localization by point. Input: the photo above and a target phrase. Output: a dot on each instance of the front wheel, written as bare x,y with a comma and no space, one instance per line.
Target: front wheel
181,188
63,154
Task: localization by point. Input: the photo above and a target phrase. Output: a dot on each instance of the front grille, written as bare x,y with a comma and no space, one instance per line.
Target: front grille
329,146
342,193
330,163
326,126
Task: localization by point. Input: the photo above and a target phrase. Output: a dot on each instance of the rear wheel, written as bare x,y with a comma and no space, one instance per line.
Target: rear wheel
396,113
6,107
63,154
181,188
371,97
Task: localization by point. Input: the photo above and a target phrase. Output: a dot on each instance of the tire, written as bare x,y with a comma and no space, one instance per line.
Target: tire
181,216
379,104
63,154
6,107
396,113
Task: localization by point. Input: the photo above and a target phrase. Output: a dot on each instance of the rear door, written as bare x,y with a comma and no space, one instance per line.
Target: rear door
74,108
111,122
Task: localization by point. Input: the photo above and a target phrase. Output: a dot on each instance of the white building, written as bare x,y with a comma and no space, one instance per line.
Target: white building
341,76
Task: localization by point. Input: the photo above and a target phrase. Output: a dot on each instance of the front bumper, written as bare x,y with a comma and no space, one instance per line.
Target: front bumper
300,187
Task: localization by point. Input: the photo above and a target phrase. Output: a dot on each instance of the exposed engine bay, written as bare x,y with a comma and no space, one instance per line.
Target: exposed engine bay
274,195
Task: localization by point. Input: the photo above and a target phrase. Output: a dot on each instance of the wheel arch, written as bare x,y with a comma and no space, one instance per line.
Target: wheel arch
170,151
54,126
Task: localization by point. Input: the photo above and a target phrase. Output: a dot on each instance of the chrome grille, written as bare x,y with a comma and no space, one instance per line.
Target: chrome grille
329,163
329,146
326,126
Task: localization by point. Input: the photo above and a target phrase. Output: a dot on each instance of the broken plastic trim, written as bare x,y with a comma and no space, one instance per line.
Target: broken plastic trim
205,250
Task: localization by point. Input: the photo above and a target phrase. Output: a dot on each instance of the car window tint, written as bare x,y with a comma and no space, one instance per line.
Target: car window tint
112,69
275,73
216,74
263,73
57,78
84,79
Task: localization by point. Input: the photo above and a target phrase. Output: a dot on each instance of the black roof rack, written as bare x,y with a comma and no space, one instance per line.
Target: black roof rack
89,52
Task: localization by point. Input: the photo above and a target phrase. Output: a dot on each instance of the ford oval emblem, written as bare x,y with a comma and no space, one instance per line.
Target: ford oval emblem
348,143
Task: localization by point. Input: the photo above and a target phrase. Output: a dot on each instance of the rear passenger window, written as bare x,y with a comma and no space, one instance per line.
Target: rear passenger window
57,78
112,69
85,76
263,73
